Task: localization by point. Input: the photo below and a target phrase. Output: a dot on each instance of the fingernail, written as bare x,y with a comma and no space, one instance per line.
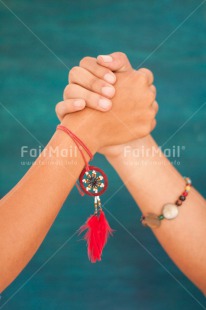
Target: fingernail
108,91
110,78
106,58
78,103
104,103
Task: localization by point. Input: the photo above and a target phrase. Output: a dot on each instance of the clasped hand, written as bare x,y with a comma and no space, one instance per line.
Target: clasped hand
109,84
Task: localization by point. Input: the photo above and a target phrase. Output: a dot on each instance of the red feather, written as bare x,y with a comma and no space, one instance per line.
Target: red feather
98,231
92,238
104,230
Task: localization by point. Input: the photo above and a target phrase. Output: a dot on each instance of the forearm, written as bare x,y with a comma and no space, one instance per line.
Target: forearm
29,209
155,182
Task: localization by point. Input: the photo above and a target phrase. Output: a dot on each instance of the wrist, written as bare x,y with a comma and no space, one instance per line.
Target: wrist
113,153
82,125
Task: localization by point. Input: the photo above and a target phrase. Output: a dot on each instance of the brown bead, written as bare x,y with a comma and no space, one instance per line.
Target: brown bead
151,220
178,203
182,198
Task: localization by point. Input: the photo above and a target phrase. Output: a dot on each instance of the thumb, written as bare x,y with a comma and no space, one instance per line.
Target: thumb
115,62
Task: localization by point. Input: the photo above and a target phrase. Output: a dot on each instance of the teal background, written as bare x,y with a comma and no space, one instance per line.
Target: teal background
31,83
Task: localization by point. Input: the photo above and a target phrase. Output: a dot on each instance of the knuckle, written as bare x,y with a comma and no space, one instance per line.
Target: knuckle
68,90
153,89
142,78
84,61
152,121
93,99
121,55
101,72
58,108
93,83
73,72
155,107
149,77
148,71
151,96
148,121
153,124
90,98
146,128
64,92
122,58
153,112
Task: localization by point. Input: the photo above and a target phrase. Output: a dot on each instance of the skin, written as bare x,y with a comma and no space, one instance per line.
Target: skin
153,183
30,208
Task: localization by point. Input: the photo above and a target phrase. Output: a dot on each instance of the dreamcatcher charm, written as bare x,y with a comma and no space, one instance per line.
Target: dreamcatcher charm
94,182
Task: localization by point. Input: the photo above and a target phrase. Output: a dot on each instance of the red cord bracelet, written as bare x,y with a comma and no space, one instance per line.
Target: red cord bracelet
93,182
78,142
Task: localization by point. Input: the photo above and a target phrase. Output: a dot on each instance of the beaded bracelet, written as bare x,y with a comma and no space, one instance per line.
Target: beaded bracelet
169,210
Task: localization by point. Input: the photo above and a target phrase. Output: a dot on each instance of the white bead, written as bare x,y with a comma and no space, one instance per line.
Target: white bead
170,211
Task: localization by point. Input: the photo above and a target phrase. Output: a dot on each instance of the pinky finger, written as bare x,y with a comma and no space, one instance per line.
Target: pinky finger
69,106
